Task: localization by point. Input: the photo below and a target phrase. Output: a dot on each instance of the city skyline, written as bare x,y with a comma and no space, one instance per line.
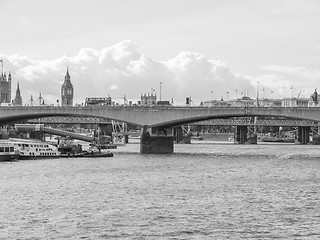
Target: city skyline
206,49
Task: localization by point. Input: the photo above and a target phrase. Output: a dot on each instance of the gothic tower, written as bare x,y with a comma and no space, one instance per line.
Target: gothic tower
18,98
5,88
67,91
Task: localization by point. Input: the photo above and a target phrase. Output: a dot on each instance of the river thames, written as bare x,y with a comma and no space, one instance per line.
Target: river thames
204,190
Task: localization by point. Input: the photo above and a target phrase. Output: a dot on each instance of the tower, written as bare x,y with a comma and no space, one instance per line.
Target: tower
67,91
18,98
5,88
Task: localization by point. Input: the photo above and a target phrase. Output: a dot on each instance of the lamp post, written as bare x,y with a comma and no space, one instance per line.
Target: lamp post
228,95
258,94
160,90
211,95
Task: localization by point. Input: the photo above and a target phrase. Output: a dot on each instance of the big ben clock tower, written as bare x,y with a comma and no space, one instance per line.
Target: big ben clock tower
67,91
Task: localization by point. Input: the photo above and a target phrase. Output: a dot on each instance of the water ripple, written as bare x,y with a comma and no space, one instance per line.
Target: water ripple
199,192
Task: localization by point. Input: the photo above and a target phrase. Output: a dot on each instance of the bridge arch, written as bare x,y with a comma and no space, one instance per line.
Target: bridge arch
157,117
14,114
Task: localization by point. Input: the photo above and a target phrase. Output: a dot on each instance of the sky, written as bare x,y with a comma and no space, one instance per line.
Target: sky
203,49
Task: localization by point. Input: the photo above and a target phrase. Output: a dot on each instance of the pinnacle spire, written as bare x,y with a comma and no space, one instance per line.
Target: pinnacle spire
67,74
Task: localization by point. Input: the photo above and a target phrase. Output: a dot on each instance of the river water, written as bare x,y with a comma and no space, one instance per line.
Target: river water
204,190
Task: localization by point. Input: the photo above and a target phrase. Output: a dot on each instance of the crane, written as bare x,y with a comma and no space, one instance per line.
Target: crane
299,93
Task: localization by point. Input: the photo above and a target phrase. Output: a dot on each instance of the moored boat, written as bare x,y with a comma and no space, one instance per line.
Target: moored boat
33,149
95,151
8,151
69,149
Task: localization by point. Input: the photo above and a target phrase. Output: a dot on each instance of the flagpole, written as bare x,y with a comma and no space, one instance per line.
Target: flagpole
2,67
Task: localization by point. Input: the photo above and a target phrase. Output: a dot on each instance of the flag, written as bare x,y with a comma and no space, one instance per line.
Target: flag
1,60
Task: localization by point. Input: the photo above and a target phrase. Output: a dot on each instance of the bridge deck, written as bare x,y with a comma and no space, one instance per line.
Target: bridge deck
158,117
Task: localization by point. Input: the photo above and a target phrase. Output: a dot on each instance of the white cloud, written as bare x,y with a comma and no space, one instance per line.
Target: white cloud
114,87
282,78
302,72
122,70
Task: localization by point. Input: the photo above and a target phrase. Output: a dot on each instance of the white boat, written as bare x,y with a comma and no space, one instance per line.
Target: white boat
32,149
8,151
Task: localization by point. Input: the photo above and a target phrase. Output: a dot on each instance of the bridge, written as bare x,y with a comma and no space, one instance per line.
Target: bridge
156,120
156,117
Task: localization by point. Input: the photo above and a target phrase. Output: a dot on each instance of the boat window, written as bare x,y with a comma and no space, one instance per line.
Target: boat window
6,149
11,149
1,149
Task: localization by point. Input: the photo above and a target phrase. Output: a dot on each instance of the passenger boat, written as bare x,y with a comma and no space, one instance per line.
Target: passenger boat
32,149
8,151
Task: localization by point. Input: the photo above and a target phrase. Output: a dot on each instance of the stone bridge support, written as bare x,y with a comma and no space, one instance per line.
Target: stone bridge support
105,129
242,136
37,135
156,141
180,136
303,135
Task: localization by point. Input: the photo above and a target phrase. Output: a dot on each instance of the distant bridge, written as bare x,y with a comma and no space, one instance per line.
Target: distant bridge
259,122
156,117
59,132
70,120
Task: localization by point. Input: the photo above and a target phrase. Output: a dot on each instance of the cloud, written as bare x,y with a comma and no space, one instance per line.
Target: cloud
122,70
302,72
114,87
282,78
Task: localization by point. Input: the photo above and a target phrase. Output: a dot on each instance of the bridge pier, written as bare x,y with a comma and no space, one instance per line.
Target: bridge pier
242,136
105,129
37,135
303,135
180,136
158,141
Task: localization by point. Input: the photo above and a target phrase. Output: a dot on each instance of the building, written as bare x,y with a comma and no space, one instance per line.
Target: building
163,103
148,100
98,101
267,102
67,91
295,102
18,99
215,103
241,102
5,87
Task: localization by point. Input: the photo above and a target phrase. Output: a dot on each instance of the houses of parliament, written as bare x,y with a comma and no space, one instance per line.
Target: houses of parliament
67,91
